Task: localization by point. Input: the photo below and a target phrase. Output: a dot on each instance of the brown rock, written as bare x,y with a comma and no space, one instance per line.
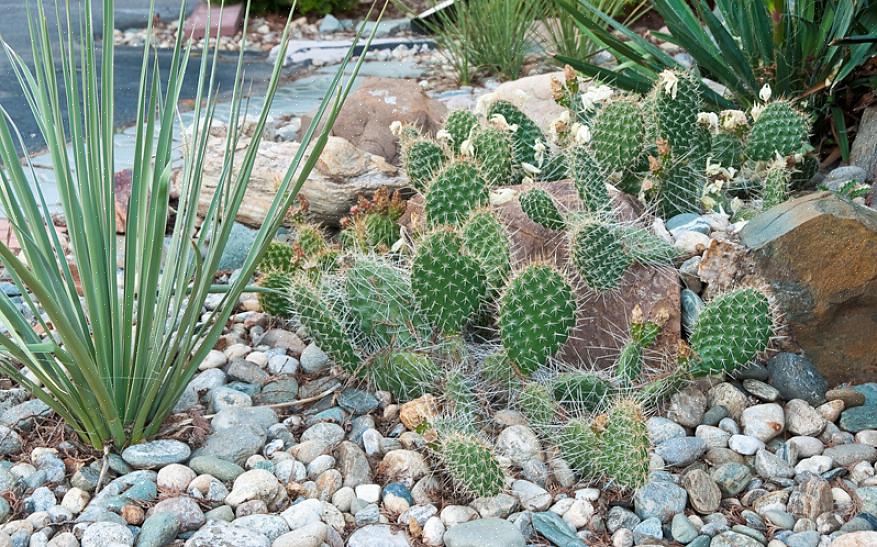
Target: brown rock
595,339
378,102
856,539
811,498
122,194
342,174
420,410
850,397
133,514
703,492
819,254
282,338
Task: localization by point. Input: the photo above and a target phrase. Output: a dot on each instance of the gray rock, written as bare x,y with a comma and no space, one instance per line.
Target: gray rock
272,526
234,445
240,241
10,442
648,531
353,465
155,454
23,415
185,509
809,538
769,466
223,470
357,401
225,397
764,422
682,529
519,444
246,371
659,499
734,539
107,534
224,535
661,429
765,392
158,530
731,477
314,360
837,177
234,417
692,305
703,493
532,496
687,407
846,455
330,25
559,532
795,377
619,517
681,451
378,534
803,419
328,433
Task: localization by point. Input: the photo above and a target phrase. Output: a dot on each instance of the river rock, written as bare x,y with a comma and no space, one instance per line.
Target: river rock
223,535
156,454
533,95
484,533
659,499
378,534
795,377
864,150
819,253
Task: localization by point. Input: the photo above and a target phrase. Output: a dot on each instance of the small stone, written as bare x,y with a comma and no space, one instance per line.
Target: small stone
257,484
379,534
10,442
795,377
532,497
814,464
846,455
811,498
579,514
661,429
803,419
232,445
728,396
681,451
659,499
764,422
483,533
185,509
418,411
106,534
712,436
682,529
221,469
648,531
221,535
313,360
831,410
763,391
158,530
555,529
357,401
174,477
805,447
703,493
75,500
769,466
731,478
519,444
404,466
744,444
687,407
850,397
734,539
859,418
433,532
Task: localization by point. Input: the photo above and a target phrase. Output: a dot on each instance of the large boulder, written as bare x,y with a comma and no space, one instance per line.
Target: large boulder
368,112
864,150
600,328
533,95
819,254
342,173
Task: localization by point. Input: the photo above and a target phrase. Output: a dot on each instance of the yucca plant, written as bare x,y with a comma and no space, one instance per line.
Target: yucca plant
561,34
117,358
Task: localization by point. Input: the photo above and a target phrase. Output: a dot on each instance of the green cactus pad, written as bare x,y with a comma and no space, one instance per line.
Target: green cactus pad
527,135
625,447
589,180
537,403
776,186
405,374
486,239
278,257
448,285
422,160
679,188
497,369
309,240
629,366
275,303
379,296
460,394
540,207
726,149
676,105
454,193
471,465
618,134
580,391
780,128
458,125
381,230
731,331
645,247
599,256
580,446
536,314
494,155
323,325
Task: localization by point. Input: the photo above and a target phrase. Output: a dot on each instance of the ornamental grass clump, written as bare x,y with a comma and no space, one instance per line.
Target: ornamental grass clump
120,355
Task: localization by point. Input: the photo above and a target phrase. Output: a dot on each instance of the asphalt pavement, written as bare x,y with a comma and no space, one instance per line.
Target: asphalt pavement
128,14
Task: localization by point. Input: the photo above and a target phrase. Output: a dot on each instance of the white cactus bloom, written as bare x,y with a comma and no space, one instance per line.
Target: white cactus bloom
581,133
732,119
563,119
539,149
716,170
467,149
765,92
527,180
530,168
670,82
710,120
444,135
482,105
396,128
596,95
755,111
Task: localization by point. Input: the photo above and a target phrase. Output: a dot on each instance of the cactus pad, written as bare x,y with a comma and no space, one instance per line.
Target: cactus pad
458,125
486,239
537,404
599,256
278,257
407,375
422,160
454,193
494,155
536,314
618,134
776,186
676,105
540,207
275,303
589,181
527,135
580,446
625,447
579,391
471,465
779,129
323,325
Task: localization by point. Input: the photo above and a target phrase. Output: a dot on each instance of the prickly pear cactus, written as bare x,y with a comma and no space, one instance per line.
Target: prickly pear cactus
527,139
309,240
643,334
460,396
676,105
486,239
458,125
625,447
618,134
589,180
537,404
278,257
599,256
580,391
731,331
275,303
406,374
779,129
454,193
679,186
379,296
540,207
498,370
536,314
776,185
422,160
726,149
580,445
323,325
645,247
471,465
449,286
493,152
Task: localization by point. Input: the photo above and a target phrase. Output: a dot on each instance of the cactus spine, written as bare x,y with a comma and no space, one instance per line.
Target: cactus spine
454,193
776,185
599,256
323,325
618,134
493,153
486,239
526,139
275,303
405,374
589,181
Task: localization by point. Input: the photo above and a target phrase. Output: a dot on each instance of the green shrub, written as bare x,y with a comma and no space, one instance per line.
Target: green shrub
303,7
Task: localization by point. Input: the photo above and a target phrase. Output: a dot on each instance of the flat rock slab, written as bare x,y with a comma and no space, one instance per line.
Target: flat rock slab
819,254
227,20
